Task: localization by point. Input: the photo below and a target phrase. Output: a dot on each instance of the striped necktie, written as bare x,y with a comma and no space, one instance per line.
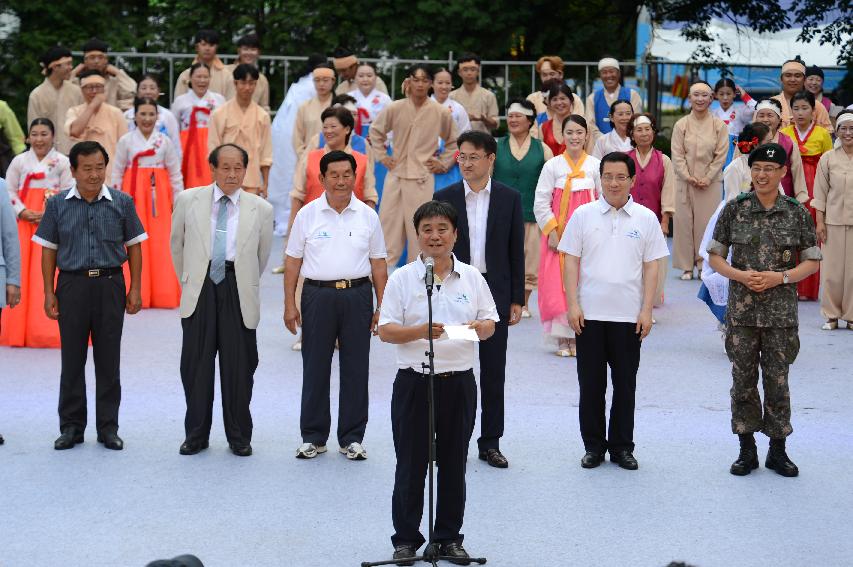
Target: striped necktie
217,263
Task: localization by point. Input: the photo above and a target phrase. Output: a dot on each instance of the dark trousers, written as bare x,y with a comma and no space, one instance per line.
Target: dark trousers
330,314
217,326
455,411
604,343
90,306
492,379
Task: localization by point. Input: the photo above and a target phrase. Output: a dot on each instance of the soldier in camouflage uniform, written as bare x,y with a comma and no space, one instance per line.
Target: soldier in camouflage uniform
774,245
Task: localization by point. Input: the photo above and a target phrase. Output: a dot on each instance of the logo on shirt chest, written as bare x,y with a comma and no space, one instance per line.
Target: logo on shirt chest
634,233
322,235
462,298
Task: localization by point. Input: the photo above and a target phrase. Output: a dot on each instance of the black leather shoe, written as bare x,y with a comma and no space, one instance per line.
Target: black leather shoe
456,550
241,450
625,459
405,552
70,437
111,441
192,447
592,459
495,458
747,461
777,460
2,440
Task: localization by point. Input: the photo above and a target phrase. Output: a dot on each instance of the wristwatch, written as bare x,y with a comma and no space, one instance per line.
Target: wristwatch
784,277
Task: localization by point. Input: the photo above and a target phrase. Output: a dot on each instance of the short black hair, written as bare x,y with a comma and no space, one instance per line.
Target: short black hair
523,102
44,122
95,44
754,130
244,71
88,73
343,99
86,149
142,101
558,87
55,53
343,115
806,96
413,70
618,157
432,209
466,57
249,40
213,158
340,52
334,156
479,140
577,119
207,36
725,82
149,77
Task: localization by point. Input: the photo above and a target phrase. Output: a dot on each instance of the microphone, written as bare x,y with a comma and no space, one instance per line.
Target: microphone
429,262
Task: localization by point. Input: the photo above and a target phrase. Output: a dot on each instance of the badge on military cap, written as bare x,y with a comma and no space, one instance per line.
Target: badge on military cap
773,153
786,256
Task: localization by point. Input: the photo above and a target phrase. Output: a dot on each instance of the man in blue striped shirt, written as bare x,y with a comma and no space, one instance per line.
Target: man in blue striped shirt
88,232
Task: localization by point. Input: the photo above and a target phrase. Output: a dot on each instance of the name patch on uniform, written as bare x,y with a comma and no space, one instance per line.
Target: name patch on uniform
633,233
323,234
462,298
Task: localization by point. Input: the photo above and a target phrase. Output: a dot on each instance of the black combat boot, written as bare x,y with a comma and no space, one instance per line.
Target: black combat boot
747,460
777,459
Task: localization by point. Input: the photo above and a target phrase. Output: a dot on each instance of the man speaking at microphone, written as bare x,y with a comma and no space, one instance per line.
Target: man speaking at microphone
461,297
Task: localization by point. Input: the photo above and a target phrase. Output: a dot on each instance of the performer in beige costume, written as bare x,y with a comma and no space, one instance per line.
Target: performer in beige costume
55,95
206,42
119,89
308,123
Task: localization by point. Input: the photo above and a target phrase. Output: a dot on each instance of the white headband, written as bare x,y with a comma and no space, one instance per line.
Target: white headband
515,107
642,120
608,62
767,105
844,118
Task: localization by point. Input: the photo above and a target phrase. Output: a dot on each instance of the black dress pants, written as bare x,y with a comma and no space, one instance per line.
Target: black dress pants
330,314
492,380
216,326
455,411
90,306
604,343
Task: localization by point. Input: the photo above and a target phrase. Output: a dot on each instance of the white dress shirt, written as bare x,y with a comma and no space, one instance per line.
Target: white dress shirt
336,246
462,297
477,208
233,219
613,245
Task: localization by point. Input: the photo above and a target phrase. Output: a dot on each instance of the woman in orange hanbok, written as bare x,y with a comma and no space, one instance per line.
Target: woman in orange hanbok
560,102
193,110
32,178
813,141
567,181
148,168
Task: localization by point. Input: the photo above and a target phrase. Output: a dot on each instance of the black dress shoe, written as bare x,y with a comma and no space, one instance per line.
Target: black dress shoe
192,447
241,450
495,458
70,437
747,461
592,459
2,440
456,550
405,552
624,459
111,441
777,460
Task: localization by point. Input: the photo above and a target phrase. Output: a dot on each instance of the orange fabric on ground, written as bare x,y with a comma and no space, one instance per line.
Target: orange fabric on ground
160,286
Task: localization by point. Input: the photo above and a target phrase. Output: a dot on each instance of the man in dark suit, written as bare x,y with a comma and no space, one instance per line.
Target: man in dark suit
490,238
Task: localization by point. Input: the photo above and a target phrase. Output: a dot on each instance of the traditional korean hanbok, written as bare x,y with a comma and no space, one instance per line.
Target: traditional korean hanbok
193,115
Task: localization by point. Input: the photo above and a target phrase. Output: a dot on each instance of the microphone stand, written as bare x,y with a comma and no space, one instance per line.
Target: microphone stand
432,550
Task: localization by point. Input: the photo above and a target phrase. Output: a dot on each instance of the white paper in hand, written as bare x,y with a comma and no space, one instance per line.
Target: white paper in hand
460,333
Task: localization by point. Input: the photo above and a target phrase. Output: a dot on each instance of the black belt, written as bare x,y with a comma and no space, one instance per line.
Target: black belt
338,284
448,374
229,266
93,273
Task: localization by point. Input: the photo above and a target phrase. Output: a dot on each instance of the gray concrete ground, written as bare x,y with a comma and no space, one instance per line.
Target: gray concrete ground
92,507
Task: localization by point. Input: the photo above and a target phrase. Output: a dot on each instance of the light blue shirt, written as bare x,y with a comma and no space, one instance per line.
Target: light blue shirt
10,248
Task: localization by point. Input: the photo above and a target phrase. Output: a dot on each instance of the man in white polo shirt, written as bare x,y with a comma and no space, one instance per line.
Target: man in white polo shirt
336,244
461,296
613,246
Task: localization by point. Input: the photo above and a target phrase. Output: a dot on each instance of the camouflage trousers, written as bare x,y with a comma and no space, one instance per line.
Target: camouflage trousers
774,350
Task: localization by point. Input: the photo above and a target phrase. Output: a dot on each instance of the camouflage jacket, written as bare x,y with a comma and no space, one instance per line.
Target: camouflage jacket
774,239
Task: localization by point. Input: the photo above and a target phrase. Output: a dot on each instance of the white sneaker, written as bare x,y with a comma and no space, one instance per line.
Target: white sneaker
309,450
354,451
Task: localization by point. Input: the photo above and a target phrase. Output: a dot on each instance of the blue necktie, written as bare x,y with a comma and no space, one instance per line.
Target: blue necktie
217,263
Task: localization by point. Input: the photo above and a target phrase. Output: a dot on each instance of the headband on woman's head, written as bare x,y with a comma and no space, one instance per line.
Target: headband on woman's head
323,72
794,66
608,62
701,84
767,105
842,118
92,79
515,107
642,120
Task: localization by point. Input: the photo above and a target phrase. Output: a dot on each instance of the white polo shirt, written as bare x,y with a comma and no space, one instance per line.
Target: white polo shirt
336,246
462,297
612,245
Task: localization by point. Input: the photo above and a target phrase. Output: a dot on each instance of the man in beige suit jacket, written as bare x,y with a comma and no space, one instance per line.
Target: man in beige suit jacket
221,237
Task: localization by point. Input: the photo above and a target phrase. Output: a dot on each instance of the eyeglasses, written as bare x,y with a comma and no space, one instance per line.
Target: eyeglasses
611,178
758,170
844,129
473,159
